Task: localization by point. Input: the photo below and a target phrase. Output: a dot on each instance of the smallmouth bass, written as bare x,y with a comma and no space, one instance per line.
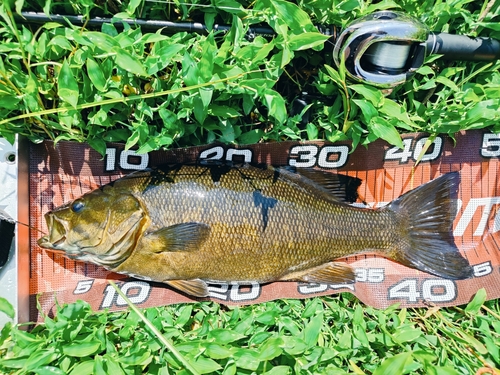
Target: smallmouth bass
189,225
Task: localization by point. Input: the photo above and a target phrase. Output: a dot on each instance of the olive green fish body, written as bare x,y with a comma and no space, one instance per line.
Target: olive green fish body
189,225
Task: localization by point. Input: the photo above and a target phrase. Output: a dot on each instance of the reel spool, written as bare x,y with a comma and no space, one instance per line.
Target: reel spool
383,49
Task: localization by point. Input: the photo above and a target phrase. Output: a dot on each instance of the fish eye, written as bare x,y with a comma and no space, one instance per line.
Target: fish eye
77,206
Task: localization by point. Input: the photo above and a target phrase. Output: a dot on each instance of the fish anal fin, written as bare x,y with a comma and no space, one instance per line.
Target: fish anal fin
195,287
328,273
178,237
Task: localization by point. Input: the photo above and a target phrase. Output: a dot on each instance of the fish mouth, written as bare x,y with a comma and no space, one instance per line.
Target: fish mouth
56,240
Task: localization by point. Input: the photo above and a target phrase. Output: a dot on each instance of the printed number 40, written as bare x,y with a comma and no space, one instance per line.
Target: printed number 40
395,153
432,290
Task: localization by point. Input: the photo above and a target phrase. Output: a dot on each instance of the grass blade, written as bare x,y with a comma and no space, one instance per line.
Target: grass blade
158,334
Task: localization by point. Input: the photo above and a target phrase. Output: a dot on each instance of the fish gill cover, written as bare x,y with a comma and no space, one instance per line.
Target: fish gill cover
59,174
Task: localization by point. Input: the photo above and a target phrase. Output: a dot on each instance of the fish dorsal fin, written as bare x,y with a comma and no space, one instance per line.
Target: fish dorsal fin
330,186
195,287
328,273
178,237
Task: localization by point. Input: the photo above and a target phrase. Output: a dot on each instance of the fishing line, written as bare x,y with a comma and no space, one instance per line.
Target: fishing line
8,219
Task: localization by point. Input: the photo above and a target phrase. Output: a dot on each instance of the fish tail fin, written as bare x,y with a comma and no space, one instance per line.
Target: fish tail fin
427,213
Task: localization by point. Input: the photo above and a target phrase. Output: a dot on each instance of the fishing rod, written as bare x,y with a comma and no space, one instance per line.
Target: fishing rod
383,49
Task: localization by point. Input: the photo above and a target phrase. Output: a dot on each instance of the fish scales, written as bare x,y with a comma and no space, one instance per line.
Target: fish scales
194,224
299,228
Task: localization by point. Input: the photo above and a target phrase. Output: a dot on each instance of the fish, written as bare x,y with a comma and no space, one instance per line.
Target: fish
190,225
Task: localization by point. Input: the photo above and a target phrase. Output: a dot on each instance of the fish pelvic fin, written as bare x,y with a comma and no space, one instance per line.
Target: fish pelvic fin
426,216
195,287
328,273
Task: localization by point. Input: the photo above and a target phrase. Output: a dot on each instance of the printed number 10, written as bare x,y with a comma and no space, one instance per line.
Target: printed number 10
125,160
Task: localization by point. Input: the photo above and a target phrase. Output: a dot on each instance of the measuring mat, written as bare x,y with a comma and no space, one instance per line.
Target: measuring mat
61,173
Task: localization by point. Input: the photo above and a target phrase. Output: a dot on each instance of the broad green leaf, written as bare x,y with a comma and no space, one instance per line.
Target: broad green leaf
18,362
394,365
205,365
96,74
306,40
447,82
217,351
247,359
276,105
132,6
271,349
385,130
40,358
372,94
293,16
312,131
82,349
312,330
222,111
128,62
224,336
83,368
206,94
369,111
475,305
279,370
490,25
250,137
68,88
102,41
48,370
7,308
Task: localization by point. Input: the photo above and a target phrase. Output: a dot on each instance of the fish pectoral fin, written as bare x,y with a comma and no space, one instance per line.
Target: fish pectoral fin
328,273
178,237
195,287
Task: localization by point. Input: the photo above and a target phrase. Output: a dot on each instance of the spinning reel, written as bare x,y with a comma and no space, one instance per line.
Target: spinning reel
383,49
386,48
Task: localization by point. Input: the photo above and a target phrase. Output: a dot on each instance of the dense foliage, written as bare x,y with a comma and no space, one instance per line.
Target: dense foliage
329,335
154,90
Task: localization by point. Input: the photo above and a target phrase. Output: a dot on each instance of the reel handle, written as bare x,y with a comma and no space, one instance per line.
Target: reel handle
460,47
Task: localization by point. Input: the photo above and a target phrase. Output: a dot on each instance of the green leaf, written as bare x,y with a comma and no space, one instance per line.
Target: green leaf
279,370
48,370
385,130
40,358
82,349
132,6
474,306
271,349
306,40
312,330
96,74
67,85
102,41
217,351
128,62
247,359
250,137
394,365
372,94
205,365
7,308
293,16
83,368
224,336
222,111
